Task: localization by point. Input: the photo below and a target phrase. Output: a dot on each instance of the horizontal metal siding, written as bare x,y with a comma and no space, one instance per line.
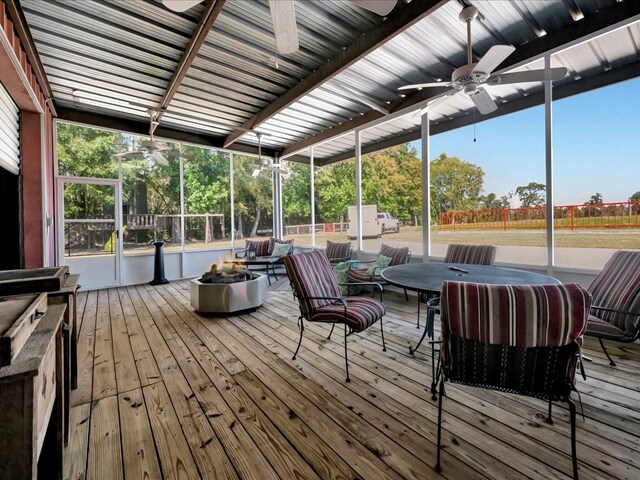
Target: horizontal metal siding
9,133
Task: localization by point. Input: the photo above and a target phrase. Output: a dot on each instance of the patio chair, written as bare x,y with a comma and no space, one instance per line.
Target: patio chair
263,248
615,310
318,293
471,254
266,248
338,252
517,339
464,254
388,256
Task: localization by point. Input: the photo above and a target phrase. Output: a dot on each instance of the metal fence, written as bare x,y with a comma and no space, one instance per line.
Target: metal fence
571,217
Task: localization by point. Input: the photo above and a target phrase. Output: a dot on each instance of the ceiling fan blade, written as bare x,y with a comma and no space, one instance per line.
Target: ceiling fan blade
380,7
425,85
436,102
483,102
283,14
159,158
130,155
527,76
180,5
494,57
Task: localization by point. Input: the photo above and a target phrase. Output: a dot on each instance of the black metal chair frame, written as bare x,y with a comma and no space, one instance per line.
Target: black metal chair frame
487,370
622,339
347,330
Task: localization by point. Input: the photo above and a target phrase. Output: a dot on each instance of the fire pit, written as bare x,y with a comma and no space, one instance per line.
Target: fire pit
228,289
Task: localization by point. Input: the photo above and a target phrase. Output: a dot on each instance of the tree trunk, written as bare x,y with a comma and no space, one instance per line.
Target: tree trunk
254,229
239,227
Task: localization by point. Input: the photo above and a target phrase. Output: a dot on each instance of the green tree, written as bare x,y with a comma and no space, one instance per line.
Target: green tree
596,198
296,194
455,184
253,196
86,152
335,191
206,181
489,201
531,195
391,179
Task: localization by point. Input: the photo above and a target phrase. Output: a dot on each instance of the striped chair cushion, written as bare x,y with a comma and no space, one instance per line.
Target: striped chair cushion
273,241
617,287
260,246
399,255
338,250
362,312
471,254
311,275
515,315
602,328
358,275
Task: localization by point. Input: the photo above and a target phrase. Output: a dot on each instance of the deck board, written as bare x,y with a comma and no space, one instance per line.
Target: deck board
220,397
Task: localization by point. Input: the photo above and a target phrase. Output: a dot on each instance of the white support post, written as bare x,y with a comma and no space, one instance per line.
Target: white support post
182,229
119,221
548,138
358,154
426,188
232,206
312,172
277,204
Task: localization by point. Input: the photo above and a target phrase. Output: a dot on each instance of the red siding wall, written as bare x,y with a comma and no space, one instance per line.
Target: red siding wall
16,74
31,188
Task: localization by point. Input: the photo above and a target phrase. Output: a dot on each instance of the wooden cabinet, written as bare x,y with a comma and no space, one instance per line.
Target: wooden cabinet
32,395
19,316
68,295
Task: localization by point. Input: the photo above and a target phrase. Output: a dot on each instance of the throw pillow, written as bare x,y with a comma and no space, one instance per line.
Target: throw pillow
337,250
273,241
399,255
280,249
260,246
341,270
381,262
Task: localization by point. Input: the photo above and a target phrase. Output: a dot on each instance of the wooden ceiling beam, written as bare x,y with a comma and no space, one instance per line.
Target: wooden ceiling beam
209,16
583,30
395,24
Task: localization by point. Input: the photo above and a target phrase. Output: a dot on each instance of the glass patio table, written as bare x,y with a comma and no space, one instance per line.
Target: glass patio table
427,278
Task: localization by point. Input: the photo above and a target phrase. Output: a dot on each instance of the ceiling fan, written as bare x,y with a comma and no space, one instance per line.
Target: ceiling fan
470,77
262,164
284,17
150,149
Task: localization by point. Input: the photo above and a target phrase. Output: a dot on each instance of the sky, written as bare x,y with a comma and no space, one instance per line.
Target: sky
596,146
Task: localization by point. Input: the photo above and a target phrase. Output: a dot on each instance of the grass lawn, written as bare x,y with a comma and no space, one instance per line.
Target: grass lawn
615,239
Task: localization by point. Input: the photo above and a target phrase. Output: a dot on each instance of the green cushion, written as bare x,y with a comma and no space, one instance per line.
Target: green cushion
280,249
381,262
341,270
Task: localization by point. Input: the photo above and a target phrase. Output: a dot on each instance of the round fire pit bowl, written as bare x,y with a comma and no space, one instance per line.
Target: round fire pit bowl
229,297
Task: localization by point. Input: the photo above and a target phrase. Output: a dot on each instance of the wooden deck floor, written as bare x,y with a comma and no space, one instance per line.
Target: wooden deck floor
168,393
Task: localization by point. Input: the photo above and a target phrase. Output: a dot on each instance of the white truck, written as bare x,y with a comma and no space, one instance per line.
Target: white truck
388,223
371,227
